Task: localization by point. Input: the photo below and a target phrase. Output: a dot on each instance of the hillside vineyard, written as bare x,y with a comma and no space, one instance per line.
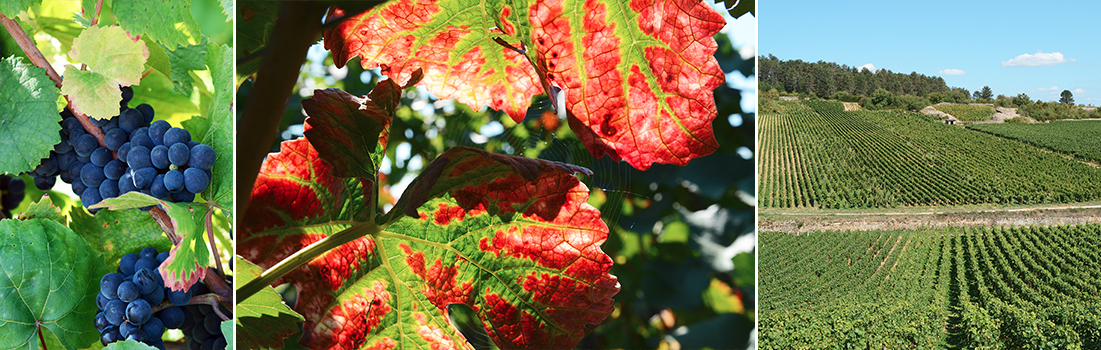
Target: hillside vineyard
991,288
816,154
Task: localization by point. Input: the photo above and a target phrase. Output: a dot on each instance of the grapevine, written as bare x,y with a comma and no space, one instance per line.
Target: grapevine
132,114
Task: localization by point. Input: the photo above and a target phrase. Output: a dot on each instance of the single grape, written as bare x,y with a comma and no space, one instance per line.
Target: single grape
155,297
146,111
157,130
101,301
128,291
74,137
153,328
196,180
141,139
114,138
44,182
109,284
146,263
202,157
220,343
179,298
179,154
138,312
101,156
176,135
65,160
174,181
48,166
157,189
80,187
130,120
92,175
144,279
127,93
213,322
143,177
90,197
148,252
173,317
200,334
109,189
110,335
114,169
124,150
115,311
140,131
86,144
162,256
127,328
159,156
101,322
138,158
126,263
126,184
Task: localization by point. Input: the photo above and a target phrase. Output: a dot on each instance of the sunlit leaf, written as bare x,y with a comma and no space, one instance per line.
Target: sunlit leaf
28,115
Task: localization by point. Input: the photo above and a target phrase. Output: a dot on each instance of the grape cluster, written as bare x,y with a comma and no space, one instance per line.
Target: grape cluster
11,194
139,155
127,300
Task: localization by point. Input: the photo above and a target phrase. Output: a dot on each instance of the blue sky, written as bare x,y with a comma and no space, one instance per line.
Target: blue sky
1032,47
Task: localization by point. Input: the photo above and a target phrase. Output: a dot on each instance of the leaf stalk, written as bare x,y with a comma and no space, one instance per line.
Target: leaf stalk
305,256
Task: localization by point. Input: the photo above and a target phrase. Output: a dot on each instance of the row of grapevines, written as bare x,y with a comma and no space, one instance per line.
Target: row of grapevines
1025,287
825,157
967,113
1079,138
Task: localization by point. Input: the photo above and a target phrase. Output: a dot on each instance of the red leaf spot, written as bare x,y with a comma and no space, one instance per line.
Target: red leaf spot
434,336
346,325
570,304
441,286
448,213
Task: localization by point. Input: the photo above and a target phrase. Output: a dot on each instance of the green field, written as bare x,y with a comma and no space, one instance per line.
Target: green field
964,288
1079,138
967,113
816,155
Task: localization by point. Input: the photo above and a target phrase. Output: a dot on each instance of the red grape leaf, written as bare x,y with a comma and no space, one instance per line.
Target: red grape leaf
517,242
343,126
637,76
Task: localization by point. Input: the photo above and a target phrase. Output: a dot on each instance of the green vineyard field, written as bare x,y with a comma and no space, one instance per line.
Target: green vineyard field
1078,138
816,155
967,113
965,288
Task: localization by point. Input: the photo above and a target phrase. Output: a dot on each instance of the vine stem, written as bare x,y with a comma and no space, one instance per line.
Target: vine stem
165,222
211,241
298,26
306,255
29,48
41,338
99,6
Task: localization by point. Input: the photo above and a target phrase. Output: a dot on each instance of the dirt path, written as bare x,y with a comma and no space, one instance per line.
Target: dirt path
899,220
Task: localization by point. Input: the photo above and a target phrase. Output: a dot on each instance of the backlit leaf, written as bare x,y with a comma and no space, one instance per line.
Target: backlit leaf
517,242
220,133
11,8
48,279
28,115
92,94
637,77
110,52
350,132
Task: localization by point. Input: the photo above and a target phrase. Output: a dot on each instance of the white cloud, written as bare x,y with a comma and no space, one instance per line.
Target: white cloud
1079,91
1052,88
952,71
870,67
1039,59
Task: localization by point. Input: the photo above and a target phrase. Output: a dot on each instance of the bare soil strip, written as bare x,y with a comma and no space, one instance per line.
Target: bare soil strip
901,219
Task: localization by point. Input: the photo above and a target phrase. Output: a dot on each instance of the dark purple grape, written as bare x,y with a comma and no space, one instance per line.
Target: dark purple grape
138,312
123,151
145,280
109,189
176,135
157,130
114,138
159,157
109,284
86,144
92,175
174,181
146,111
128,291
196,180
130,120
138,158
173,317
143,177
115,311
114,169
157,189
179,154
126,263
202,157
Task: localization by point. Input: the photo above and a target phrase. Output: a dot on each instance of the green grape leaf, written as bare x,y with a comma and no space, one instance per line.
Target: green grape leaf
92,94
516,241
263,320
157,90
738,8
11,8
255,22
227,332
158,58
227,9
185,59
48,278
8,45
187,262
220,133
168,22
44,208
342,127
635,79
28,115
128,345
110,52
197,125
114,233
